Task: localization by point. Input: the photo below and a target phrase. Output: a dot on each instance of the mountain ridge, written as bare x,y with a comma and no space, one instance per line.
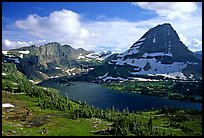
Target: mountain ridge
53,60
159,52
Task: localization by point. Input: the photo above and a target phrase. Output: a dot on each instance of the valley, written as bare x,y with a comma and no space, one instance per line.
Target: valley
154,88
101,96
42,111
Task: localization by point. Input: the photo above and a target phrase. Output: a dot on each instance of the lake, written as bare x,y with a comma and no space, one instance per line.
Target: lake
101,97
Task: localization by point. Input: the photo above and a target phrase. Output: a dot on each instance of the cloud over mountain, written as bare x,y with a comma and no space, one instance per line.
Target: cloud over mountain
70,27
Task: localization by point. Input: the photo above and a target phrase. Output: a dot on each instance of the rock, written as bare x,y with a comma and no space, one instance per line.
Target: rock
12,131
43,131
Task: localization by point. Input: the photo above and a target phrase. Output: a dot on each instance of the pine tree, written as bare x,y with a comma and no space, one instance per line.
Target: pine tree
150,124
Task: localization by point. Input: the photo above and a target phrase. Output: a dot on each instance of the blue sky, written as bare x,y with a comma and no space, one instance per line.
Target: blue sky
96,25
122,10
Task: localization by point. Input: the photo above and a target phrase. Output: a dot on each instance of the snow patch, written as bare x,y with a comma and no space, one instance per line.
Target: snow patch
156,67
57,68
54,76
21,56
133,50
191,76
72,69
4,74
68,72
193,63
5,52
17,61
24,52
157,54
154,40
92,55
173,75
79,57
112,78
7,105
100,77
137,44
142,79
32,81
141,39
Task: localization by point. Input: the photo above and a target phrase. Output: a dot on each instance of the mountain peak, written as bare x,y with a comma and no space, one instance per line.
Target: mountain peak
53,43
159,51
162,38
165,24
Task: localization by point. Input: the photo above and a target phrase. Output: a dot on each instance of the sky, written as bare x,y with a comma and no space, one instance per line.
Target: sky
97,26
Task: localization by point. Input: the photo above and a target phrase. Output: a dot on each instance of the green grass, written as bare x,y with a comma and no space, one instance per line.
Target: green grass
57,124
27,118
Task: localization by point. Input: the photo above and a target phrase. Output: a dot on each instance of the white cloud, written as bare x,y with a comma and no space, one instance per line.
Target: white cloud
171,10
61,25
197,43
66,27
184,40
186,21
117,35
8,44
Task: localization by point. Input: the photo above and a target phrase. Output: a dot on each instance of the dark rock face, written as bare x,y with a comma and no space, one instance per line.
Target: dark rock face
51,59
158,51
198,54
162,38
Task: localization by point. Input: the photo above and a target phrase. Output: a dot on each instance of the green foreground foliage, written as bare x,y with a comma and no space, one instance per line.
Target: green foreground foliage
43,111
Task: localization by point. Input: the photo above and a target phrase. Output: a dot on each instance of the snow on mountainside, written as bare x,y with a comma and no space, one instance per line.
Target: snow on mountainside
158,52
53,60
95,56
13,56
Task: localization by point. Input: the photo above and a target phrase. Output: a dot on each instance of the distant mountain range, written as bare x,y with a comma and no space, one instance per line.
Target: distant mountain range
159,53
198,54
53,60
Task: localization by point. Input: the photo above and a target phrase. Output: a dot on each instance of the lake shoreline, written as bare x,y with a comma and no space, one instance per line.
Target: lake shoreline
153,94
94,94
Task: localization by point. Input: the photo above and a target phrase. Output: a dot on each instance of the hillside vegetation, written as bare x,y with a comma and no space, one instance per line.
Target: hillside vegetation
43,111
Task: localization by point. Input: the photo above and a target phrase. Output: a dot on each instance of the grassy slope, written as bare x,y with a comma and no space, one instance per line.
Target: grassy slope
27,118
56,123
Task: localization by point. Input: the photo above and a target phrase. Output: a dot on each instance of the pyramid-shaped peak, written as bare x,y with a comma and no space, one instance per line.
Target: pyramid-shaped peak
161,39
164,25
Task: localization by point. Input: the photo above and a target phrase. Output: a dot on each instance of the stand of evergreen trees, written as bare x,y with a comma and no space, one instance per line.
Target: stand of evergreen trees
124,123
